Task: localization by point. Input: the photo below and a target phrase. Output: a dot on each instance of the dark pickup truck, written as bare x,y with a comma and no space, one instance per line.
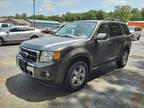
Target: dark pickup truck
69,55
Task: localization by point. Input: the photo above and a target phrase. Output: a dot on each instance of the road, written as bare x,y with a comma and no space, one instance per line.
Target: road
108,86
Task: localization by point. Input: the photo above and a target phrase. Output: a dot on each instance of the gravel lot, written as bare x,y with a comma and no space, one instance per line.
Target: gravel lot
108,87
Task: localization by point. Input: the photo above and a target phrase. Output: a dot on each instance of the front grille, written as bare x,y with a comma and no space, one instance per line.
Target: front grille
29,55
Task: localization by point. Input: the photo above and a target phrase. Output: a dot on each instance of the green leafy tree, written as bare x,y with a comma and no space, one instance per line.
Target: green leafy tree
135,14
142,12
100,15
24,15
122,12
18,16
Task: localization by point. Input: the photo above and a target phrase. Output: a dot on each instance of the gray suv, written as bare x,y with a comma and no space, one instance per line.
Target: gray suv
69,55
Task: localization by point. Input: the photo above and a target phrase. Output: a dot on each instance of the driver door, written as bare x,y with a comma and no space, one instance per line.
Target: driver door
102,46
14,34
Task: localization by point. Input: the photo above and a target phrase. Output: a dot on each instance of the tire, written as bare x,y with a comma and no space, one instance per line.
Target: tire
1,41
34,37
123,59
76,77
138,38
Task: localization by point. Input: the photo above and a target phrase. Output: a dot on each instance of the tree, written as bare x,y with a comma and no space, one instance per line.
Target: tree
122,12
135,14
100,15
18,16
142,12
24,15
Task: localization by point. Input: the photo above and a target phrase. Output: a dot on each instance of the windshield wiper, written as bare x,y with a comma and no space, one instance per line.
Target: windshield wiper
56,35
68,36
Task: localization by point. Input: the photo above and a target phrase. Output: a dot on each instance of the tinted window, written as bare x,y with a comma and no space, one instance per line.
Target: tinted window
27,29
139,29
125,29
16,30
115,30
4,25
103,28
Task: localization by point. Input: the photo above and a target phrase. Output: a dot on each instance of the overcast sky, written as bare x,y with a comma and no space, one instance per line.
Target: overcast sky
53,7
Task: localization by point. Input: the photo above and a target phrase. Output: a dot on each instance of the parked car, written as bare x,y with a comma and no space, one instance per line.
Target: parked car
136,32
74,51
16,34
5,25
50,30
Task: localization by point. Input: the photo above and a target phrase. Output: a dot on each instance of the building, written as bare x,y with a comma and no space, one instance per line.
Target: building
44,23
136,23
30,22
15,21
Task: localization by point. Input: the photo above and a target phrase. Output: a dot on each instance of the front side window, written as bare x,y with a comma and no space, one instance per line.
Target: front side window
77,30
103,29
16,29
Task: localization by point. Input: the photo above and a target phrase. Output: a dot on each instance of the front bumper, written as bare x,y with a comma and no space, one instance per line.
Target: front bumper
43,71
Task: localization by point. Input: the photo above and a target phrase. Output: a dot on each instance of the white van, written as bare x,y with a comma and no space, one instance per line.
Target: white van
5,25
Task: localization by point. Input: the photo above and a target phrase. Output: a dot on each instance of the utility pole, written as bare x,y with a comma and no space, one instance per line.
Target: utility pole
33,13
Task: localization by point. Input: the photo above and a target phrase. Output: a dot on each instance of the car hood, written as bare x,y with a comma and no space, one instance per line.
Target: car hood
131,31
2,33
51,43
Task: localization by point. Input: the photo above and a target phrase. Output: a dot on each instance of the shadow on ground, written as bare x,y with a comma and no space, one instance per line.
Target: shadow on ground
11,44
116,88
31,90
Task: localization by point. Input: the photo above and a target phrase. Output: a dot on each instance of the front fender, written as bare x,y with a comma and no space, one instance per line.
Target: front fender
73,55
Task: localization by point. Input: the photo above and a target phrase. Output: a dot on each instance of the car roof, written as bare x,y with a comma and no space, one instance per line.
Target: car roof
100,21
22,26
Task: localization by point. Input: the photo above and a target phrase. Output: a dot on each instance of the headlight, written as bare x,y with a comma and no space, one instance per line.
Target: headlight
19,49
49,56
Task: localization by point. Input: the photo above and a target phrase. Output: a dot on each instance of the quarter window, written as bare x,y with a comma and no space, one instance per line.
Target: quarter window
125,28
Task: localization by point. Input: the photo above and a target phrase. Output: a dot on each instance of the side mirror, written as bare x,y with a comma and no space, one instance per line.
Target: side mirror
7,32
101,36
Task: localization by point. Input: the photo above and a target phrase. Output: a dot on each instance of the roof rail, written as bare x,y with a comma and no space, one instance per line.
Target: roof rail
112,19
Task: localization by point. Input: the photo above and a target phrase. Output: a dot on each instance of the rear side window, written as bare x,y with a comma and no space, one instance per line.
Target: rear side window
16,29
125,29
115,30
27,29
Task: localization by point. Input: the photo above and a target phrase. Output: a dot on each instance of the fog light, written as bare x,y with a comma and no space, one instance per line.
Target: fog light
45,74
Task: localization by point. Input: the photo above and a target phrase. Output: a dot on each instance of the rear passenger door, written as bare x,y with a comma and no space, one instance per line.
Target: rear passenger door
115,38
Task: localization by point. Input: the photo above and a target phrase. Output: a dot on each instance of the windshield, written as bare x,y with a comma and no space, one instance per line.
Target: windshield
4,29
77,30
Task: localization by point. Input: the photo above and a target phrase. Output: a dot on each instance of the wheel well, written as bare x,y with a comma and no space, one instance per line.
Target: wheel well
34,36
2,39
81,58
127,48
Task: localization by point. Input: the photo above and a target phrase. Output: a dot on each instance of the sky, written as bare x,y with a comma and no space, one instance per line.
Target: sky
59,7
